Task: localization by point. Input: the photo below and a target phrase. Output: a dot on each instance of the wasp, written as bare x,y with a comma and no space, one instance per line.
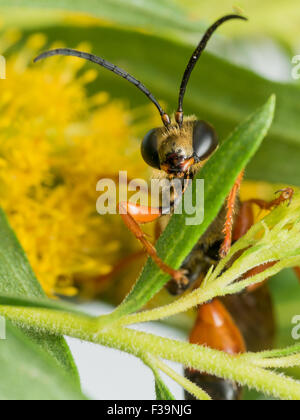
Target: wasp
179,149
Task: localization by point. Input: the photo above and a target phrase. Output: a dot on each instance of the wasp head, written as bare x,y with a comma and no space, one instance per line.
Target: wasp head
177,150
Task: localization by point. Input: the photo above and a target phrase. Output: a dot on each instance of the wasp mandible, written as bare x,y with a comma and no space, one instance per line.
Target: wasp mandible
180,148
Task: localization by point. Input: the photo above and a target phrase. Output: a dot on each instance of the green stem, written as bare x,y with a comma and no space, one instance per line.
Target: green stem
198,297
288,351
281,362
185,383
181,305
201,358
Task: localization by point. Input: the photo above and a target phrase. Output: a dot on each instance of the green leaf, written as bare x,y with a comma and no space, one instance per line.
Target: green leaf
162,391
160,15
179,239
44,303
18,279
174,16
224,99
27,372
276,13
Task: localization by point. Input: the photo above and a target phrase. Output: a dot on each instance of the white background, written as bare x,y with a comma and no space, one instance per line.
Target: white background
108,374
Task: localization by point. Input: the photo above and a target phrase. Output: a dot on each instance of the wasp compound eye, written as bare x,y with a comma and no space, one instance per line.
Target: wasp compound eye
149,149
205,140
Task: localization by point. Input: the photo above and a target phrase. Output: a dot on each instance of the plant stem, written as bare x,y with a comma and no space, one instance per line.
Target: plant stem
288,351
281,362
198,357
185,383
194,299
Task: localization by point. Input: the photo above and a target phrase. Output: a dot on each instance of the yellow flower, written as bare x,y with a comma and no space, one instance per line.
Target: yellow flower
56,142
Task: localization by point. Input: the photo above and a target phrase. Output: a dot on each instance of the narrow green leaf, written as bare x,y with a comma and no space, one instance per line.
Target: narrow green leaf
28,373
44,303
162,391
277,12
219,175
18,279
160,15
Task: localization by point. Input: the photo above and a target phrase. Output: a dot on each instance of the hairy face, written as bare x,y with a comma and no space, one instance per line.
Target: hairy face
177,150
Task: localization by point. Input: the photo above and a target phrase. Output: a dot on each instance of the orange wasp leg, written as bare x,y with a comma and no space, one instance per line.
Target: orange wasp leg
285,196
245,220
231,203
133,216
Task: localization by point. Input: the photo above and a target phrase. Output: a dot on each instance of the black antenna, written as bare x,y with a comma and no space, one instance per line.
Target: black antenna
109,66
195,57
